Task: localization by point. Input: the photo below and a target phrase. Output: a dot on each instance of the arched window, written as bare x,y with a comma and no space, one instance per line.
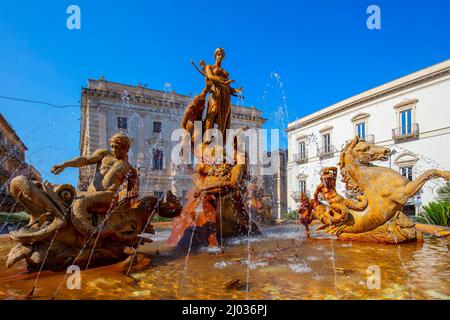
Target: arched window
405,163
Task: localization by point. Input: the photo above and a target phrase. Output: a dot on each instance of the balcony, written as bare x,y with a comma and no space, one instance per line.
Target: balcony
3,146
18,156
370,138
327,151
182,171
403,132
301,157
4,175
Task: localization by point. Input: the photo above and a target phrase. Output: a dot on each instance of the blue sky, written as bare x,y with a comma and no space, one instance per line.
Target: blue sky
293,56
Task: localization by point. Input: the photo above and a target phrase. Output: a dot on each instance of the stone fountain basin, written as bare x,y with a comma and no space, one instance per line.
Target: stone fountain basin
280,264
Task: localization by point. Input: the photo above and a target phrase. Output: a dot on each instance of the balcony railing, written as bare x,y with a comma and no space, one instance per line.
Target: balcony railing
182,170
370,138
327,151
4,173
405,132
301,157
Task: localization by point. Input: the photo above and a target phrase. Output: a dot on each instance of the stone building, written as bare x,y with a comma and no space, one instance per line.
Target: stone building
275,185
411,115
148,117
12,163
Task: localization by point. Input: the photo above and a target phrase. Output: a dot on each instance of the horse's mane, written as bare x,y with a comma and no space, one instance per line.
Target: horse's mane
350,184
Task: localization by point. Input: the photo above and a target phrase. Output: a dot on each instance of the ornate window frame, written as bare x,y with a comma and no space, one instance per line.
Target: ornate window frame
302,178
403,106
358,119
324,131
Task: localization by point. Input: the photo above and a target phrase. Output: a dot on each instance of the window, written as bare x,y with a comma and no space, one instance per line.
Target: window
407,172
302,149
302,186
157,159
122,123
156,126
405,122
361,130
158,194
326,142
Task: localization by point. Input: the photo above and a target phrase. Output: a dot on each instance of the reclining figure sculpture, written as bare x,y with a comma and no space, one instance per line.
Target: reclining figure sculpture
375,213
68,227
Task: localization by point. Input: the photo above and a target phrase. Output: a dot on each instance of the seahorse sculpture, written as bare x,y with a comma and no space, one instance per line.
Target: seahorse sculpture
376,212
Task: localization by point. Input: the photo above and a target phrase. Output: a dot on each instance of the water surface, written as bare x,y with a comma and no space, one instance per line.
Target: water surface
280,264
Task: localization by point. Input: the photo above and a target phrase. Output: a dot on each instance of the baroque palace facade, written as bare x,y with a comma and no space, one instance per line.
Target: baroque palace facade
148,117
411,115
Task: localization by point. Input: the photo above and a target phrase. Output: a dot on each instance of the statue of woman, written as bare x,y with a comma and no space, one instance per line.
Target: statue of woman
219,101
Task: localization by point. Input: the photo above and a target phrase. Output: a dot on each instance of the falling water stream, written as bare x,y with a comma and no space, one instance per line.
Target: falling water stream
276,274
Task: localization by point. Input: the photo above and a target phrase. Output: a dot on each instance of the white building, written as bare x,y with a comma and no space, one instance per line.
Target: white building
148,117
411,115
275,184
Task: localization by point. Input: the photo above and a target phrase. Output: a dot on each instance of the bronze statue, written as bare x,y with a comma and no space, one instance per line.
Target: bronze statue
219,99
100,225
215,208
193,113
305,212
375,213
111,173
338,210
259,204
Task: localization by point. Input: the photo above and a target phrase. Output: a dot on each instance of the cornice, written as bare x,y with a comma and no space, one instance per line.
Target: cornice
360,116
406,102
158,103
136,99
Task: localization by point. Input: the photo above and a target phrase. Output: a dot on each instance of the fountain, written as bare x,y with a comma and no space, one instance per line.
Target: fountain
374,214
214,248
217,183
99,226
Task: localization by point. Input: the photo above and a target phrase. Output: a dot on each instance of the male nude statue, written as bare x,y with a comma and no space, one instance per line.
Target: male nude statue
327,188
113,174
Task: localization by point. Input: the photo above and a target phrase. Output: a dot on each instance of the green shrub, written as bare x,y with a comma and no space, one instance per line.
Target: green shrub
444,192
157,218
437,213
291,215
17,219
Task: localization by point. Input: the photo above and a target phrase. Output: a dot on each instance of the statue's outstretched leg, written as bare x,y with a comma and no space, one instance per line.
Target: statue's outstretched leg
412,187
210,120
